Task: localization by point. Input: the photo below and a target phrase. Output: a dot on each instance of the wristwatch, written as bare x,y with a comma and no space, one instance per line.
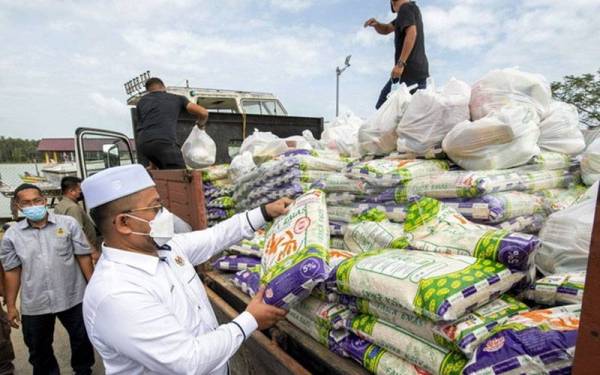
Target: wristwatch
401,63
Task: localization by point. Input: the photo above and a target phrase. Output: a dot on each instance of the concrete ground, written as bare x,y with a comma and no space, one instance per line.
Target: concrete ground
62,351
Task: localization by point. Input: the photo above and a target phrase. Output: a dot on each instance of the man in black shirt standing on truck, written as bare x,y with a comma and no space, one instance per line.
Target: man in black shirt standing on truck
410,62
156,131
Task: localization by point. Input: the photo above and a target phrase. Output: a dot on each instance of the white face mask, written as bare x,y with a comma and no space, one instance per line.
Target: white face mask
162,227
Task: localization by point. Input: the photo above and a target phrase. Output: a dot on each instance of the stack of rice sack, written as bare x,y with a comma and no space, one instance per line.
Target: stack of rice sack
218,194
289,175
243,258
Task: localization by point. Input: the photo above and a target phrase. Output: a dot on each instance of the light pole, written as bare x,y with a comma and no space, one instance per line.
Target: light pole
338,72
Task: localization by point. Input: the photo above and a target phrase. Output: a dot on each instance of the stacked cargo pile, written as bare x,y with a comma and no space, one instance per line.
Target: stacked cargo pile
440,265
218,194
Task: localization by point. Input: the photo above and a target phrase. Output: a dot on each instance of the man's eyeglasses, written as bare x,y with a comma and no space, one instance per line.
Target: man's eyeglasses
157,209
31,203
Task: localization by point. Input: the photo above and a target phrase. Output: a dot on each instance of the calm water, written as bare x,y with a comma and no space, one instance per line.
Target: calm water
9,174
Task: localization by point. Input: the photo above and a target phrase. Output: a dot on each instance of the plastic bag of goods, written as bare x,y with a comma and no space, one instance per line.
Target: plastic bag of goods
377,136
341,135
504,139
263,145
590,163
431,115
240,165
509,86
296,251
234,263
566,238
374,358
199,150
248,281
433,226
437,286
428,356
369,235
390,172
559,289
534,342
215,173
560,130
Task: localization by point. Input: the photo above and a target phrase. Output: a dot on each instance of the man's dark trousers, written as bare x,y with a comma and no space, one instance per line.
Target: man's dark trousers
421,84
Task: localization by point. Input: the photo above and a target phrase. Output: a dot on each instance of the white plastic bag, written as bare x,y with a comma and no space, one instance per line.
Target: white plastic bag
431,115
341,134
566,237
504,139
590,163
241,165
199,150
378,136
560,130
509,86
263,145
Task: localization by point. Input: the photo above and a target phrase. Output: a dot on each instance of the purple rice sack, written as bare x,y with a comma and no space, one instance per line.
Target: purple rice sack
234,263
248,280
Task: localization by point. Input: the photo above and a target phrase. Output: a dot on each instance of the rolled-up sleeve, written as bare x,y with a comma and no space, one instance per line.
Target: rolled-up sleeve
8,255
152,335
81,246
201,245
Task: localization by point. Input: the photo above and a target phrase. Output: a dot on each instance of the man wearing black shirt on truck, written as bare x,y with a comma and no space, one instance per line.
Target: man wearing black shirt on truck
410,62
156,131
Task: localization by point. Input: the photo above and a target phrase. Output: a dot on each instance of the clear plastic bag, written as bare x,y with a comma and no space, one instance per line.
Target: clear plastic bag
590,163
560,130
199,150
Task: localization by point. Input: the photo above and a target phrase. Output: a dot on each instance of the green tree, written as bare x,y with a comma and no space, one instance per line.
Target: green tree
15,150
584,93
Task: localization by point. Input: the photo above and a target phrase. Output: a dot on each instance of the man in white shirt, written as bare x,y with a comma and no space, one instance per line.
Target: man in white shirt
145,309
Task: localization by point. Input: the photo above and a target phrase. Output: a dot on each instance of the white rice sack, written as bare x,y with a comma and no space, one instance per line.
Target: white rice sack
337,242
341,134
504,139
431,115
430,357
326,314
566,238
561,199
531,224
378,136
343,199
590,163
560,130
369,235
548,160
534,342
433,226
499,88
296,251
562,288
437,286
390,172
495,208
339,183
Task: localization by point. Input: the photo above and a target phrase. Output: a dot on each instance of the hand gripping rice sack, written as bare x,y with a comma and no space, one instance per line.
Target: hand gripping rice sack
375,359
369,235
560,130
534,342
235,262
377,136
296,251
566,238
248,280
590,163
531,224
431,357
437,286
562,288
509,86
432,226
504,139
495,208
431,115
390,172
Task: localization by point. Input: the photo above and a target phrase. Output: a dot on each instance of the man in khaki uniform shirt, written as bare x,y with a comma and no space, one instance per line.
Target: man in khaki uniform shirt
7,354
69,205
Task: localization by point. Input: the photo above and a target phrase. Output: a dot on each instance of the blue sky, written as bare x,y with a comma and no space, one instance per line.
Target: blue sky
63,63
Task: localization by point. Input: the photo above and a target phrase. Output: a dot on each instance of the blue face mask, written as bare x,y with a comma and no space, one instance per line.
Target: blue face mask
35,213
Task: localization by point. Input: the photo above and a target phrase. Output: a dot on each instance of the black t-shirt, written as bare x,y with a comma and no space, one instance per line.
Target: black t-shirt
417,66
157,116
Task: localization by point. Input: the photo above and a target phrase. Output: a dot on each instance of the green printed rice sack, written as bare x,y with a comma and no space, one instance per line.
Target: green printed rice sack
296,251
561,199
432,358
564,288
336,242
433,226
531,224
548,160
339,183
436,286
369,235
326,314
499,207
390,172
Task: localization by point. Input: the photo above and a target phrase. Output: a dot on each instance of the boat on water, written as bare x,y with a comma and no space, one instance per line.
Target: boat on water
32,179
53,174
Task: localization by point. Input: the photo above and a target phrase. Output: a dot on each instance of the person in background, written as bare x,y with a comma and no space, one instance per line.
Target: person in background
47,257
7,353
410,61
146,310
69,205
156,130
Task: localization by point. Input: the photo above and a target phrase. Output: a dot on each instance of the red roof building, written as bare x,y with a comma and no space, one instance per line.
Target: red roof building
63,149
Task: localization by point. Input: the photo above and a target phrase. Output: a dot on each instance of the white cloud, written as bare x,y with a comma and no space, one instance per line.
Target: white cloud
292,5
108,105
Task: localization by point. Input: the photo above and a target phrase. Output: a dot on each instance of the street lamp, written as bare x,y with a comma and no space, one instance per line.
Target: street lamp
338,72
